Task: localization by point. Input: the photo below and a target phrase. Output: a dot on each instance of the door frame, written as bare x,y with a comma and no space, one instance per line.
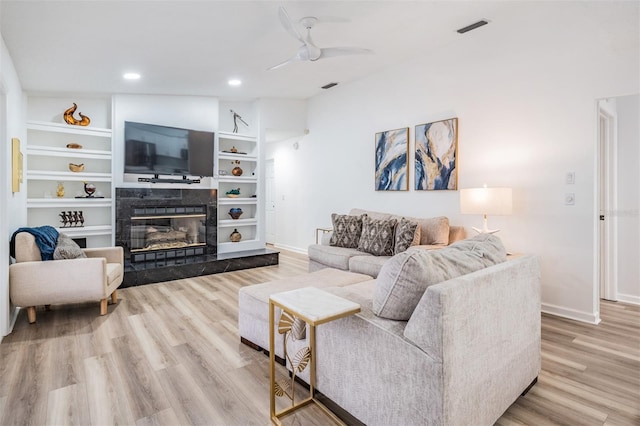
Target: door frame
270,163
606,254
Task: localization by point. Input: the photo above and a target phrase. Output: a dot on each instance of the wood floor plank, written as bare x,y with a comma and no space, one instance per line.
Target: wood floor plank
68,406
169,354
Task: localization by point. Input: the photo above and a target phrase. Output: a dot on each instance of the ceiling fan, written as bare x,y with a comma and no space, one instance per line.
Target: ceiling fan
309,52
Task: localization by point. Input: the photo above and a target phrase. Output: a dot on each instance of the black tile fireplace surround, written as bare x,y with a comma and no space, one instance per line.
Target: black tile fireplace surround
165,264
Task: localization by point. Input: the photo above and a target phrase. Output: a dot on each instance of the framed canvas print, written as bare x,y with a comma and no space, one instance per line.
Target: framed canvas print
16,165
392,152
437,155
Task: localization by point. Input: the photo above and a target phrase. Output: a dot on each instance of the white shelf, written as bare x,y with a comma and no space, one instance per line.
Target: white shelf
86,231
67,128
232,156
228,201
237,246
50,151
237,179
236,136
231,223
67,203
68,176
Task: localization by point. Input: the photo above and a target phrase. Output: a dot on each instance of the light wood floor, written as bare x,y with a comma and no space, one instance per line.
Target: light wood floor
169,353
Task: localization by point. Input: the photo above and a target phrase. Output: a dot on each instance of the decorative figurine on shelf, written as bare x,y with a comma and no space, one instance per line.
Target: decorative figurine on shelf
236,116
68,117
89,188
237,171
71,219
60,190
76,168
234,150
235,236
233,193
235,212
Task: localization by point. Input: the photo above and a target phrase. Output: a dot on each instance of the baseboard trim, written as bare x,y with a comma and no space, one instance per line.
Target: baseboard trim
290,248
588,317
629,298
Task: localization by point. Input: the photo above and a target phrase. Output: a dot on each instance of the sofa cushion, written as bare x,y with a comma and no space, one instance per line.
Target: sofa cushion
333,257
369,265
405,235
66,248
434,231
405,277
377,236
346,230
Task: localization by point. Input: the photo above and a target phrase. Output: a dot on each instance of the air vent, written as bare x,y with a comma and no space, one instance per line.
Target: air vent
473,26
329,86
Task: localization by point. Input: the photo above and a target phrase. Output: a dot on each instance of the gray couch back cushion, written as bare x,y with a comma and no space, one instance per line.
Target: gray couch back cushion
405,277
433,231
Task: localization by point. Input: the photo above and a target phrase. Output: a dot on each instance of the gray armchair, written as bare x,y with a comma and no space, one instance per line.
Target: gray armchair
33,282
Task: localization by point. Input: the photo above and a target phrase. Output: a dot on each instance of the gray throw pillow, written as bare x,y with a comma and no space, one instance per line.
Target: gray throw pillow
404,278
377,236
66,248
346,230
405,235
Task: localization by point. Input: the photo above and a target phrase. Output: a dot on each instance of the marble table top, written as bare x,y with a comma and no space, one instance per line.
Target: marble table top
314,306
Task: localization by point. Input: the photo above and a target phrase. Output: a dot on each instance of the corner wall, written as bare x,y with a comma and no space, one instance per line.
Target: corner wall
13,212
526,110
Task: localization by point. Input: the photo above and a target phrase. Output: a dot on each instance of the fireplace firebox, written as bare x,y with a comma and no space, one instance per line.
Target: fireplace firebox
165,224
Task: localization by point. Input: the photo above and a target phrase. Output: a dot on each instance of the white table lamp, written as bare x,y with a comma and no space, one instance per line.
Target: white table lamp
485,201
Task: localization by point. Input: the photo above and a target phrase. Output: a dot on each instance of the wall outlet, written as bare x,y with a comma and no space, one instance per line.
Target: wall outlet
569,199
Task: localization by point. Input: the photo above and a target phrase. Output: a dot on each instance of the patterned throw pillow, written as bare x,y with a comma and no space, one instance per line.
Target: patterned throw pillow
346,230
377,236
405,235
67,249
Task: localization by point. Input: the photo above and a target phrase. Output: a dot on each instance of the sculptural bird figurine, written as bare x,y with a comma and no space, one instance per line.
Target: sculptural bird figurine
68,117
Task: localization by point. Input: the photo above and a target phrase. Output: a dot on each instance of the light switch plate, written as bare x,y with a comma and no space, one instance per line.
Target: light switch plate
570,178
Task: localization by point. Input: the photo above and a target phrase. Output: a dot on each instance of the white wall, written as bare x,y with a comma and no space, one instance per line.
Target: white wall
628,198
13,212
526,110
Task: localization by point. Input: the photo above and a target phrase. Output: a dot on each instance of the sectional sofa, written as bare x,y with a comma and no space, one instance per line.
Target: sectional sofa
432,233
444,337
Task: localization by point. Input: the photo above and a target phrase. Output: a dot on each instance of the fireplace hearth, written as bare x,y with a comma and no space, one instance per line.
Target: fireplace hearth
169,234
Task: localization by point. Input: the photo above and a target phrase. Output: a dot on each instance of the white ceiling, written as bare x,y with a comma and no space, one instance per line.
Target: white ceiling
193,47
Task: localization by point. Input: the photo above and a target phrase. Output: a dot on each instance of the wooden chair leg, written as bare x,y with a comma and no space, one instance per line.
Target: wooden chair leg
103,306
31,314
114,296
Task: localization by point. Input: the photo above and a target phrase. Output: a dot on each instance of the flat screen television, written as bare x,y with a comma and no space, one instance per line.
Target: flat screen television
163,150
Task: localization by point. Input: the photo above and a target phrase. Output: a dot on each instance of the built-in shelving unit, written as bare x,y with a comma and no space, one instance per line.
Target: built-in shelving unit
238,150
47,166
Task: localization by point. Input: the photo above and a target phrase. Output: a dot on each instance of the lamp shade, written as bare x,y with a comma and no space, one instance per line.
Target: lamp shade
486,201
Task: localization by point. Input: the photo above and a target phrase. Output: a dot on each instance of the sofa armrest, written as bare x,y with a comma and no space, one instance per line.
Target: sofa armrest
485,329
112,254
57,281
326,238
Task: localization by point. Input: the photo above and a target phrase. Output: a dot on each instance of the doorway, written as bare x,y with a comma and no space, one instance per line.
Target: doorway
606,199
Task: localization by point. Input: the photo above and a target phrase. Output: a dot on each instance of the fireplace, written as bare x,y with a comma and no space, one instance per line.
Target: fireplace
166,224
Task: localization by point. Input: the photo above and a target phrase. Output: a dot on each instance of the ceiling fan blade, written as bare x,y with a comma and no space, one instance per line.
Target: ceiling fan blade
329,52
288,25
292,59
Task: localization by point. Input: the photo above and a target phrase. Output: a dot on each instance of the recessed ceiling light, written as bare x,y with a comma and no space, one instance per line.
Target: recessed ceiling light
131,76
234,82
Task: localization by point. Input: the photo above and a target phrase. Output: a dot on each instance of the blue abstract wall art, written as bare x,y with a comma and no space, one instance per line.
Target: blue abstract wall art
392,151
437,155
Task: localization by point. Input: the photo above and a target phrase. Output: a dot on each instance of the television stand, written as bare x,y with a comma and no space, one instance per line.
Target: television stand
157,179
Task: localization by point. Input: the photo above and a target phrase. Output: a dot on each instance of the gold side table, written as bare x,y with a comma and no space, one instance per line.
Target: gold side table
314,307
321,231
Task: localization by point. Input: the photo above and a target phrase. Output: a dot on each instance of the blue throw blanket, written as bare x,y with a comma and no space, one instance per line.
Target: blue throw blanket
46,239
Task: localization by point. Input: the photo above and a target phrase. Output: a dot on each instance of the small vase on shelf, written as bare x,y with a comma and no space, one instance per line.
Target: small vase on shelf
235,236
